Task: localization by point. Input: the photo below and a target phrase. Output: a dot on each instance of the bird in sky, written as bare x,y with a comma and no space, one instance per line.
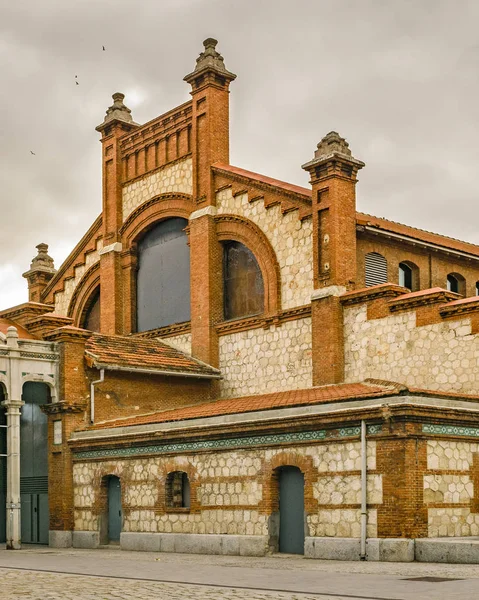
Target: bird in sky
31,152
77,82
103,48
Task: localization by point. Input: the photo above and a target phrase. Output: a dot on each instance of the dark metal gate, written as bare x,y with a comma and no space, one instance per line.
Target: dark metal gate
34,464
114,509
291,510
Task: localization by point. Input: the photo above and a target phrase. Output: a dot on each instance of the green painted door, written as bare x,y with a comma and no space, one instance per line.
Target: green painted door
114,509
291,510
34,465
3,472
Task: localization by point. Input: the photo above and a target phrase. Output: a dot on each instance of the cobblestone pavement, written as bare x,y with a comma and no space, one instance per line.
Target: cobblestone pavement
33,585
42,573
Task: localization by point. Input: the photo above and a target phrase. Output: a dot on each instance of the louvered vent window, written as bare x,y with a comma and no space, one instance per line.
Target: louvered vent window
376,269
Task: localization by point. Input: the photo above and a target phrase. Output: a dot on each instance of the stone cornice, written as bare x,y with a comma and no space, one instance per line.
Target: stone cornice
263,321
68,334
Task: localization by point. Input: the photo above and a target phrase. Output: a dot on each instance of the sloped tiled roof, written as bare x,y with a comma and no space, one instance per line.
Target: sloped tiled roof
117,352
417,234
316,395
22,332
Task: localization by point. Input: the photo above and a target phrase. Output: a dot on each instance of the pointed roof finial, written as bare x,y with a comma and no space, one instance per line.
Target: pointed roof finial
210,60
118,111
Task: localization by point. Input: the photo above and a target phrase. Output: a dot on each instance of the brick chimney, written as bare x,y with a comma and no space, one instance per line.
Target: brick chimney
41,272
117,123
333,173
210,142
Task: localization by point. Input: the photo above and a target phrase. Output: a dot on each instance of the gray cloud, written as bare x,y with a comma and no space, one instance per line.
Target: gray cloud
398,79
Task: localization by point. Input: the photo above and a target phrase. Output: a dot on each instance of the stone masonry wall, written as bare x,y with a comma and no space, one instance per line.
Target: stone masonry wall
63,298
180,342
176,177
260,361
230,489
290,238
451,484
442,356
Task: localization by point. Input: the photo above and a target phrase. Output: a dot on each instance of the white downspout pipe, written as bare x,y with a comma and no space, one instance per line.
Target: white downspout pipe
364,491
92,394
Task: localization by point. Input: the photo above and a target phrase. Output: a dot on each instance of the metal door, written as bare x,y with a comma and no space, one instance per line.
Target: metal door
291,510
34,465
114,509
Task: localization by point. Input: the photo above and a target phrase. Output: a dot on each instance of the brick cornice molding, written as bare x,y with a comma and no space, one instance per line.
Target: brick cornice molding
156,209
375,292
424,298
62,407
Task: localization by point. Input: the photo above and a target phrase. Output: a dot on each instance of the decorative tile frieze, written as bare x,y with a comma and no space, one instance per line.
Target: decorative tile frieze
450,430
229,443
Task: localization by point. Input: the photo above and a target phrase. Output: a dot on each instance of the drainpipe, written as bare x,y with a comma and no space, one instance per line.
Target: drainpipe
364,491
92,394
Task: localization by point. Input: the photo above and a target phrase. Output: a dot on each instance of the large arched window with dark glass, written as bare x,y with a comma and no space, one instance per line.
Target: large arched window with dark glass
243,282
163,279
91,318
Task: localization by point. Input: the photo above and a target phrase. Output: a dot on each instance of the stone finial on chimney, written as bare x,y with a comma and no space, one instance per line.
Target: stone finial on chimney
118,111
210,60
41,271
333,146
42,262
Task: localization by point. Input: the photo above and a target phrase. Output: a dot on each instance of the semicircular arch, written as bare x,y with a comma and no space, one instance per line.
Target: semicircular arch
83,293
149,213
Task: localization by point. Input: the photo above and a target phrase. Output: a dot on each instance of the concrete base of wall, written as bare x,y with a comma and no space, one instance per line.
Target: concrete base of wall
190,543
448,550
388,550
60,539
86,539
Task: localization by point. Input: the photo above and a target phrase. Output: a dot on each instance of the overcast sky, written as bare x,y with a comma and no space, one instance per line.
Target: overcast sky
397,78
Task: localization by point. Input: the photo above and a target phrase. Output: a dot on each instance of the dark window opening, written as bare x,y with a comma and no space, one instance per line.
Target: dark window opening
477,288
177,490
91,320
163,279
243,282
456,283
409,276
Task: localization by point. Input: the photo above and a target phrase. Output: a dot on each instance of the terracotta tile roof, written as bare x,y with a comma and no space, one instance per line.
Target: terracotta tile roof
139,354
317,395
362,218
418,234
22,332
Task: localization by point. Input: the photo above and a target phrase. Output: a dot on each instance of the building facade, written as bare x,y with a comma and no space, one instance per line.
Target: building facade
242,366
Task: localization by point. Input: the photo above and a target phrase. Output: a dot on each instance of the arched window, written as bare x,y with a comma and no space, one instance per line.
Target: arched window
409,276
477,288
163,279
91,319
177,490
456,283
376,269
243,282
